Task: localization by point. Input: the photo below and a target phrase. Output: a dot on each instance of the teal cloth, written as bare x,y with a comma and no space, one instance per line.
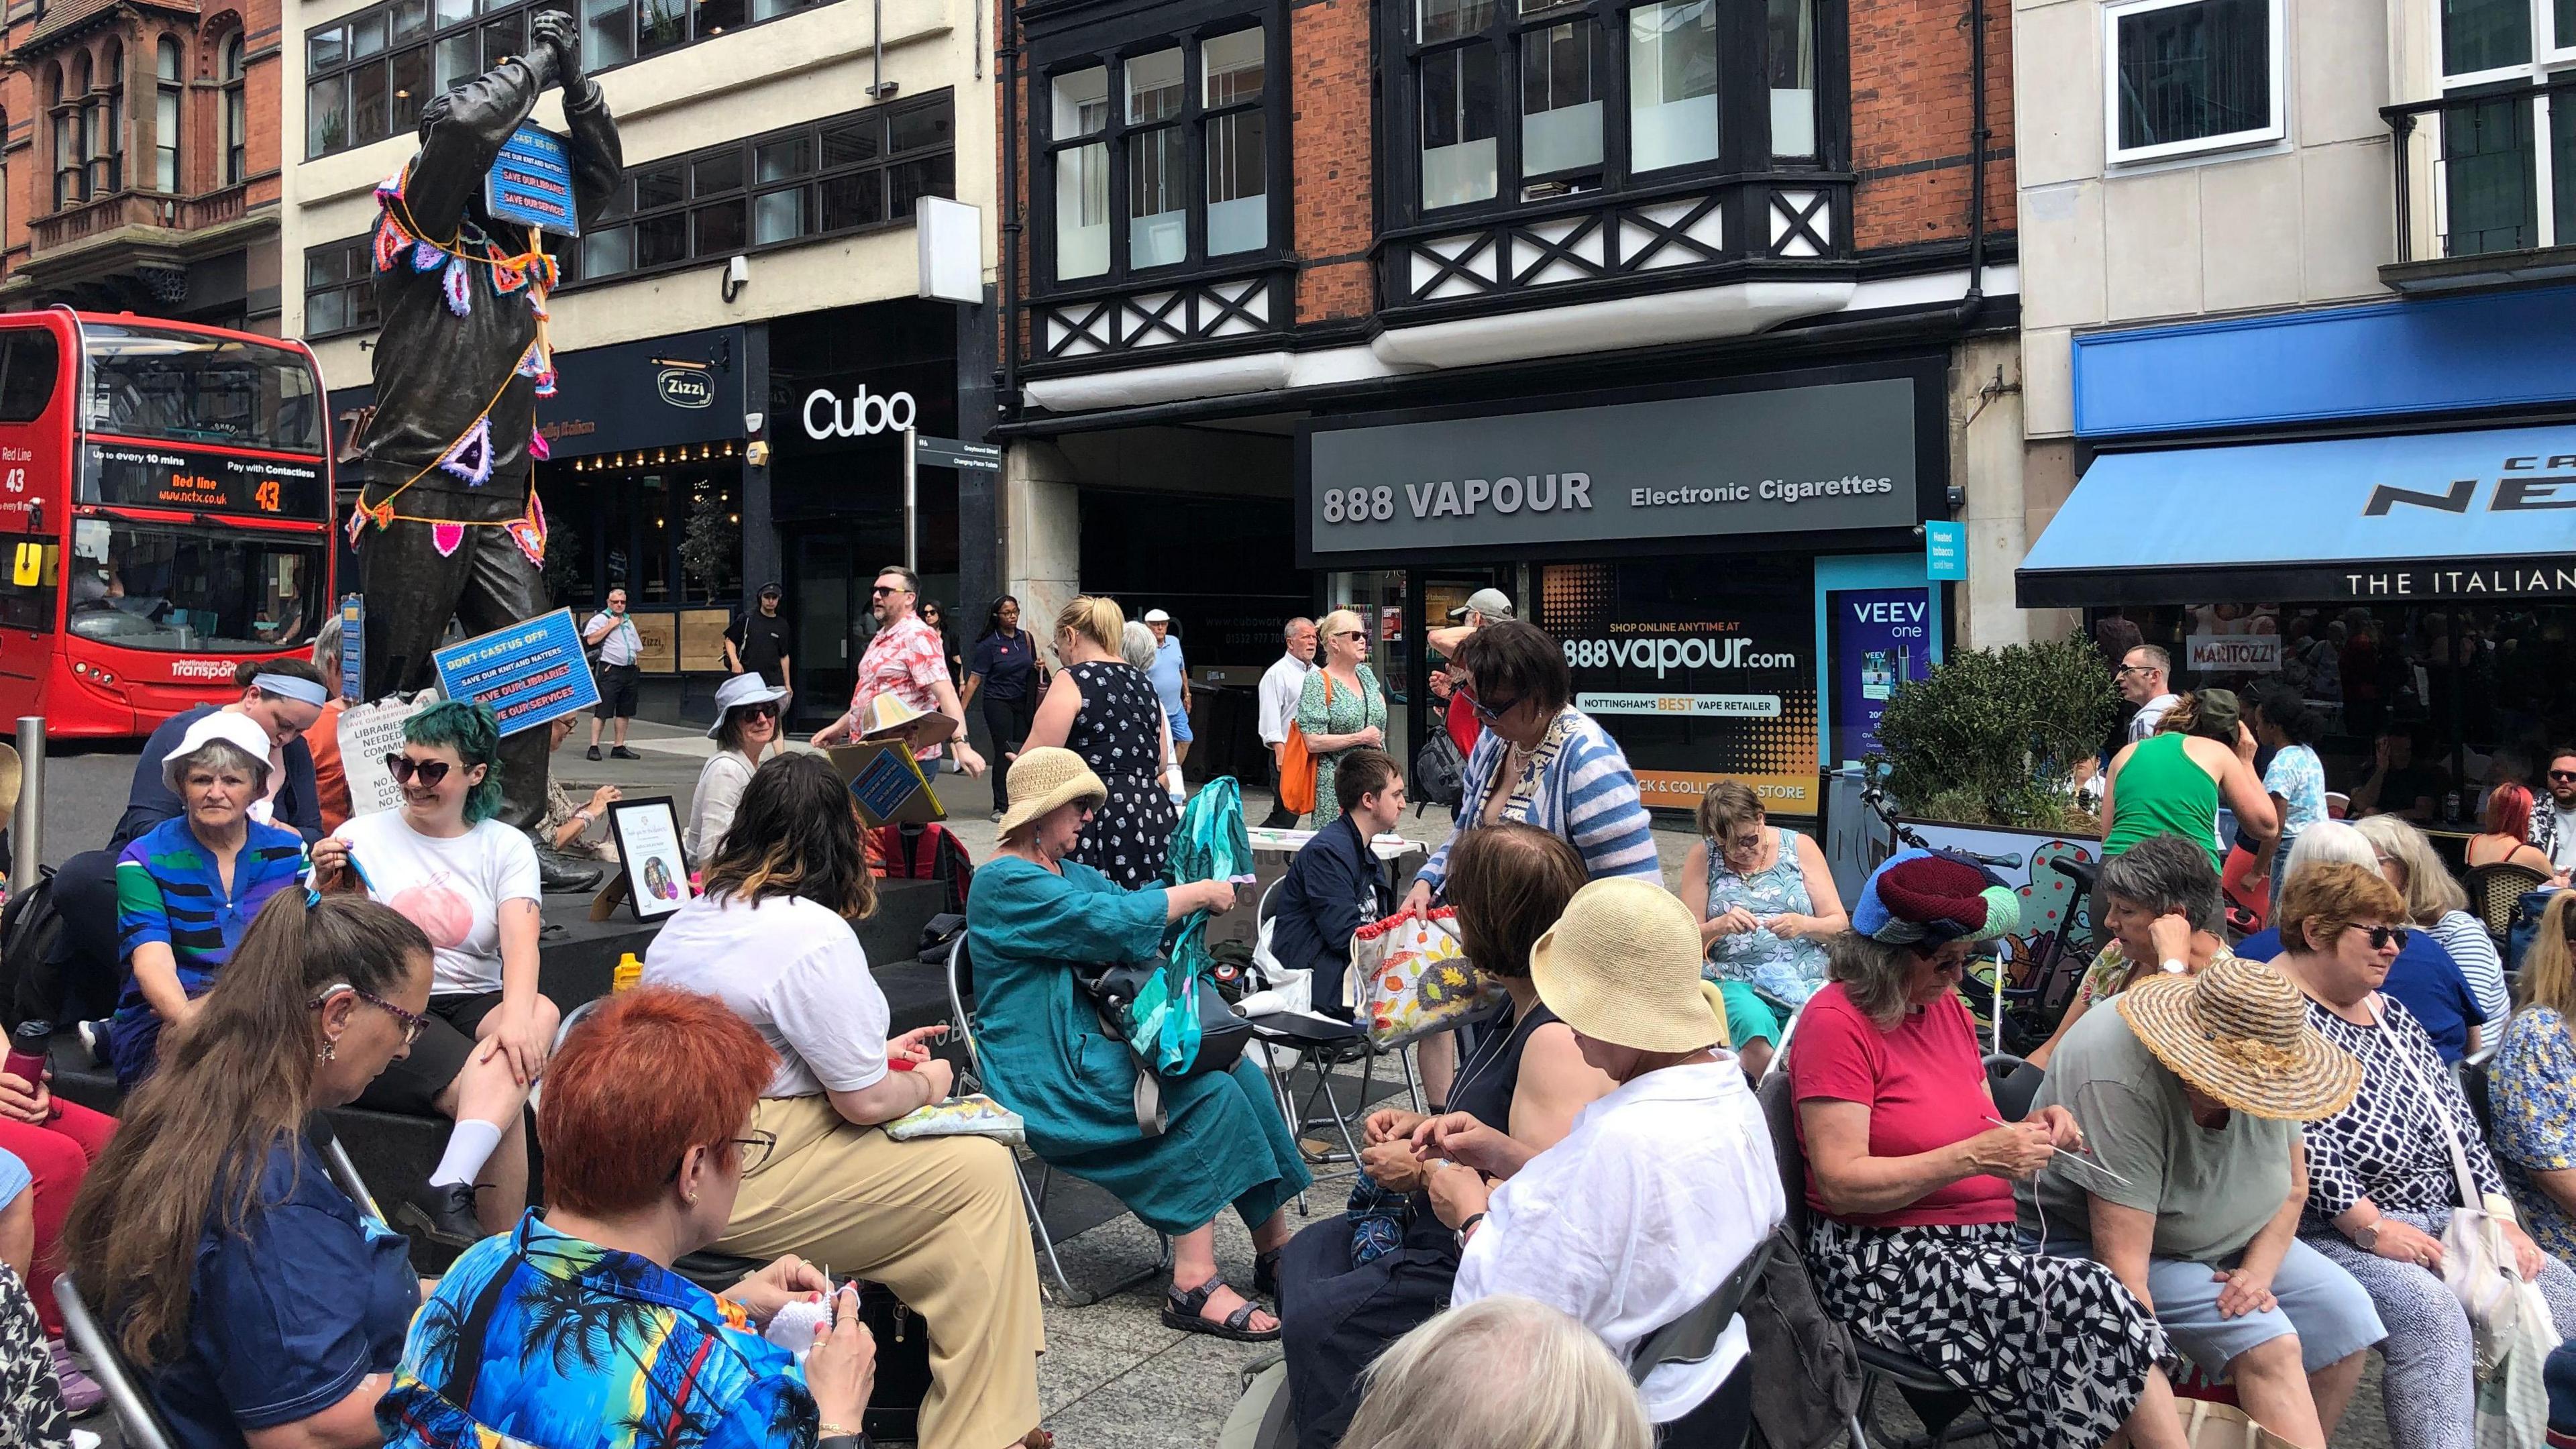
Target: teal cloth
1027,927
1208,844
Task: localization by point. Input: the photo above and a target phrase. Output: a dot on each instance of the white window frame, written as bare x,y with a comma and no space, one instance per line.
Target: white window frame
2549,61
2115,155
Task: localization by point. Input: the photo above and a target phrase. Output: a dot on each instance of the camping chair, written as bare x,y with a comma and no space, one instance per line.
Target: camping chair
979,1076
1934,1399
2493,890
2013,1082
135,1415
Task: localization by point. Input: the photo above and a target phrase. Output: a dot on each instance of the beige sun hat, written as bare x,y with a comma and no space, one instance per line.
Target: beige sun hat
1622,966
1044,778
2238,1031
887,717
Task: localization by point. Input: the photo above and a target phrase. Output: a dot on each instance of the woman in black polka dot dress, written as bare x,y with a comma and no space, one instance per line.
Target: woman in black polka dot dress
1104,709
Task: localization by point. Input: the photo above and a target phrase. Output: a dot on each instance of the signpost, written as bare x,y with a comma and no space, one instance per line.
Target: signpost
530,673
937,453
353,648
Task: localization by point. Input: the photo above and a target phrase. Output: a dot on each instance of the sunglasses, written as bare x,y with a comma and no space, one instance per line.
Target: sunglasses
2562,774
1489,713
413,1022
757,711
1352,634
881,590
2133,669
2382,937
403,768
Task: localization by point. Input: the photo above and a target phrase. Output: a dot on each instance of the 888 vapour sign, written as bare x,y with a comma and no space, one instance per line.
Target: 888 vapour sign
1702,671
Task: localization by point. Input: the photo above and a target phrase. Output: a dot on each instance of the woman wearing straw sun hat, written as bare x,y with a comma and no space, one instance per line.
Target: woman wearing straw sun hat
1670,1176
1036,914
2191,1096
1910,1236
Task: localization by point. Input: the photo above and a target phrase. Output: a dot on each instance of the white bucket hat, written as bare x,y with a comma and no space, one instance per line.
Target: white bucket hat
738,691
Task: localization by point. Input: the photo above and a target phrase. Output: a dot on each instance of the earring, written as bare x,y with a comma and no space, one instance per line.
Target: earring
693,1199
330,1048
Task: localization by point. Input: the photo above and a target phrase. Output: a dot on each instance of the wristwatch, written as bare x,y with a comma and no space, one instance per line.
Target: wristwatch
1468,1226
2366,1237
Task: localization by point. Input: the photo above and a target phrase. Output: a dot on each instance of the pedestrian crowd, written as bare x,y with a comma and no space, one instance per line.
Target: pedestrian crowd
2296,1097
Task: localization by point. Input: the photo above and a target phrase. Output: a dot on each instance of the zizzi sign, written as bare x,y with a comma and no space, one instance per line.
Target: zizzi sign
1828,456
863,415
683,387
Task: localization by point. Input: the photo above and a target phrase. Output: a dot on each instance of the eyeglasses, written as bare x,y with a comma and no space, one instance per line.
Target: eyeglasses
2382,937
757,711
755,1151
403,768
413,1023
1489,713
2133,669
1749,845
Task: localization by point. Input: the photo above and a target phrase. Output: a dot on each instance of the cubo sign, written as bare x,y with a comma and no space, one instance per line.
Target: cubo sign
863,415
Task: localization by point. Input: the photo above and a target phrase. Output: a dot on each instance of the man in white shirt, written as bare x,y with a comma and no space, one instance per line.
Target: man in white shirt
2144,680
620,680
1280,687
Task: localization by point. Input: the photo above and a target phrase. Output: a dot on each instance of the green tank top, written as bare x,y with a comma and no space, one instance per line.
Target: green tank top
2163,791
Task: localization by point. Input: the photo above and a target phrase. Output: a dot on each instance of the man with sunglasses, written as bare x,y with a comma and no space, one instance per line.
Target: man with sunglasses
2553,821
906,659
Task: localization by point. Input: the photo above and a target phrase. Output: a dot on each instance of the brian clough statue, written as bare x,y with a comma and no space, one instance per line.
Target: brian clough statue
446,521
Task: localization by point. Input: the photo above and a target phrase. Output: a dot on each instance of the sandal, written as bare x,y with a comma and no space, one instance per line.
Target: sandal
1265,1273
1181,1311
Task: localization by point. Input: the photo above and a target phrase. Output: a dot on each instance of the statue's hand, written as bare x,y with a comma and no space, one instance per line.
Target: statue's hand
554,29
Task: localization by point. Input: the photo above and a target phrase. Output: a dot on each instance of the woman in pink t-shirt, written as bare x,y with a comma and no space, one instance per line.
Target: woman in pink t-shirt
1910,1230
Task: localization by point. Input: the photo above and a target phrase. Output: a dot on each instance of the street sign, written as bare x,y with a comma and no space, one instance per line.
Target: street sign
353,648
951,453
1945,551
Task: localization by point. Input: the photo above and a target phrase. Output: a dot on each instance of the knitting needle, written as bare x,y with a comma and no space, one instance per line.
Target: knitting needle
2080,1159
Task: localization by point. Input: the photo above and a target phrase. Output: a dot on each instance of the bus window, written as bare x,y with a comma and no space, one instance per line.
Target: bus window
28,564
148,383
155,586
29,362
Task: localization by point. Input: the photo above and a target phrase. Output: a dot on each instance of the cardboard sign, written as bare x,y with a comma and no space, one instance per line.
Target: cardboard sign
531,182
888,784
531,673
368,733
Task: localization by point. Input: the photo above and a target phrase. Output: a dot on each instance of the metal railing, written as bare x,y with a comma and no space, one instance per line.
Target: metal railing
2481,178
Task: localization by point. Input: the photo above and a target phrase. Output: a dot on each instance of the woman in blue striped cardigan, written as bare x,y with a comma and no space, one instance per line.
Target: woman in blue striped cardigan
1540,762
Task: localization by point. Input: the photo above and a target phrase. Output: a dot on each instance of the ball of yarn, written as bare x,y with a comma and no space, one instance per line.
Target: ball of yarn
792,1327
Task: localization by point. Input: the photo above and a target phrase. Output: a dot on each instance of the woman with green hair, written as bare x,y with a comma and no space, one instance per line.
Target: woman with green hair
470,883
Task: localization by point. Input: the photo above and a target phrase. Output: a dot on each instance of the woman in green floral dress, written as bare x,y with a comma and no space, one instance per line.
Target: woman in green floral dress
1343,707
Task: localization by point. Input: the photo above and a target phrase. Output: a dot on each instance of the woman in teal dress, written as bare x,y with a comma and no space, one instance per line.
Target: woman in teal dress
2533,1084
1343,707
1033,916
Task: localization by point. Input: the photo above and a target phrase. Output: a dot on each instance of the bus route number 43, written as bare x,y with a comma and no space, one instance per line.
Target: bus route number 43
268,495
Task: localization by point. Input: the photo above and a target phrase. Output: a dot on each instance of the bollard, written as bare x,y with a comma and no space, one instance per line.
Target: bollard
27,827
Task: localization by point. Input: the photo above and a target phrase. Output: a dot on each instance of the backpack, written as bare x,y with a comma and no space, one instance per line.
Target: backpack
1439,772
924,852
29,926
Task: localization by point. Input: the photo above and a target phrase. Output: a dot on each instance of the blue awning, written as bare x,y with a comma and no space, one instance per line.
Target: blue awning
2488,514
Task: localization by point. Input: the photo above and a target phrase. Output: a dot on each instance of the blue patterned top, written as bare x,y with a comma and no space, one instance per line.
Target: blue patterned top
1576,784
2299,778
537,1338
1791,969
2534,1082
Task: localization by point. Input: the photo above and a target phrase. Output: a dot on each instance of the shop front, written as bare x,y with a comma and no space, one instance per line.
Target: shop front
1733,567
643,491
2415,581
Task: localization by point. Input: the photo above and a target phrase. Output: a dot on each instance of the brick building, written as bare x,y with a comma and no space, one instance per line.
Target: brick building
142,159
1675,319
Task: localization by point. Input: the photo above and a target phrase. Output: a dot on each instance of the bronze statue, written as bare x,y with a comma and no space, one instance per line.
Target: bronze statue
446,521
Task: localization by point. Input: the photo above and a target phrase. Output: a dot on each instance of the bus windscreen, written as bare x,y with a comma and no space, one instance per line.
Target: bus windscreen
147,382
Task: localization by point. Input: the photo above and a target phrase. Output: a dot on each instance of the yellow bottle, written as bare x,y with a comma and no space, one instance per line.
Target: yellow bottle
629,972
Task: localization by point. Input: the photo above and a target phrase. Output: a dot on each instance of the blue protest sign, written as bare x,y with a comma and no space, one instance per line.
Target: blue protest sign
353,648
1945,551
531,182
531,673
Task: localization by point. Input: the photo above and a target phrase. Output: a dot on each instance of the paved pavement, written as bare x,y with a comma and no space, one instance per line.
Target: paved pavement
1114,1377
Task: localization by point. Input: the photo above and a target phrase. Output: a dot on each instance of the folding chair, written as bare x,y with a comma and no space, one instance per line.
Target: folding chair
1724,1420
1320,1046
135,1415
980,1077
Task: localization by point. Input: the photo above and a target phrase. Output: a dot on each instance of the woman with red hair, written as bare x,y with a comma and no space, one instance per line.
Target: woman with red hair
571,1331
2504,841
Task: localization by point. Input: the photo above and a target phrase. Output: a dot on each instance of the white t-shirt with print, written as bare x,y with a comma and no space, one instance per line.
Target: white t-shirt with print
452,889
796,972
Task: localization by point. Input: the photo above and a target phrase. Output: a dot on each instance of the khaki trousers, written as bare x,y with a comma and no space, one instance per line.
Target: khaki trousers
939,1221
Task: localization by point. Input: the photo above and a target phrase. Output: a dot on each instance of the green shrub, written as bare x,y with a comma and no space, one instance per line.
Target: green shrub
1993,736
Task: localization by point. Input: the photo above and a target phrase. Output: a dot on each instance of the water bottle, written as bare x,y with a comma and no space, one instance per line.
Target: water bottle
2450,804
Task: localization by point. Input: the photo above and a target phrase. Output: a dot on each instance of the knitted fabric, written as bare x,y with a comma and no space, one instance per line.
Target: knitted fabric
1934,896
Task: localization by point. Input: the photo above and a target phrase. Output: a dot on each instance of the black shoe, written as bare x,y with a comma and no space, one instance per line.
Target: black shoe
623,753
443,1214
558,873
594,752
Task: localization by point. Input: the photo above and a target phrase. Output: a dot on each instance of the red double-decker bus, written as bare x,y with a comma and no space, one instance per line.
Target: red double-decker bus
165,514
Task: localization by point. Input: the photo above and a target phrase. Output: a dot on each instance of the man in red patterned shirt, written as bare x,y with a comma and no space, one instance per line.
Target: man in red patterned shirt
905,659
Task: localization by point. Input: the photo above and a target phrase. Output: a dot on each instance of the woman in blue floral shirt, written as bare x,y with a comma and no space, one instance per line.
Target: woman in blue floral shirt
573,1332
2534,1085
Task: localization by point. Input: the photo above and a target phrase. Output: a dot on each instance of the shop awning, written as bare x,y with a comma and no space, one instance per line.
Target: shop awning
2487,514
